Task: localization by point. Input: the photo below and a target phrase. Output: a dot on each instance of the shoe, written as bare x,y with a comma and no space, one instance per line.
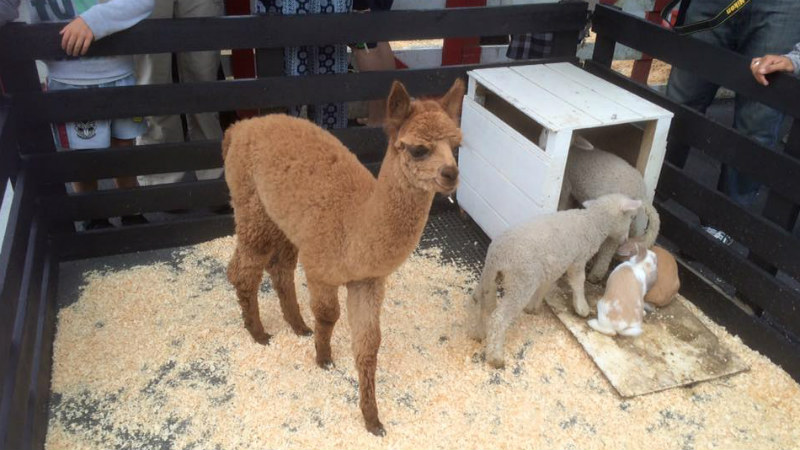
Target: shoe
136,219
96,224
719,235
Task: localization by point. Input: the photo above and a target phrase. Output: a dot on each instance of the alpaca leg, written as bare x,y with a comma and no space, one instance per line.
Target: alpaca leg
535,304
364,299
602,261
576,275
244,272
503,316
281,271
325,306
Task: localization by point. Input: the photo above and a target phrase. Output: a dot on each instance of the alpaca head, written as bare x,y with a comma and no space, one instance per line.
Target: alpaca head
423,133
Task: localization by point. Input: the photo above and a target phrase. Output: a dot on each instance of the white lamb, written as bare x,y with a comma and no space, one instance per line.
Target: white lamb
591,173
527,259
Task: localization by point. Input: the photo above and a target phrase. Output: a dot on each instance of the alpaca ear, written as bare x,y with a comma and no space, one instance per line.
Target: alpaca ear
630,204
581,142
451,101
398,106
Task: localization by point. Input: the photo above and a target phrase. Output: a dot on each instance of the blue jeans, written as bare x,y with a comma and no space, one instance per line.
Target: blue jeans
763,26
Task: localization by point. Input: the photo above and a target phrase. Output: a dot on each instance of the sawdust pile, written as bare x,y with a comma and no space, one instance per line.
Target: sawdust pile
156,357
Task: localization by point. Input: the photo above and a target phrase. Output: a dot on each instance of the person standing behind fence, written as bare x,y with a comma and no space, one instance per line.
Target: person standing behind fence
374,56
91,20
760,27
539,45
9,11
767,64
313,60
192,67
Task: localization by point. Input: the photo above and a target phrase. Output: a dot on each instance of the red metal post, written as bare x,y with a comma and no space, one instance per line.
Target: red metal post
243,63
242,60
641,67
463,50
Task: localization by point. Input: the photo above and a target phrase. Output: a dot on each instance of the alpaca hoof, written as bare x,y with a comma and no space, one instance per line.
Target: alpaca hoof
304,331
377,429
261,338
326,364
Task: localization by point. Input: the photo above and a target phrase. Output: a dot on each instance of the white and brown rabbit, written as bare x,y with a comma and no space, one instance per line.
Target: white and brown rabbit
621,308
667,282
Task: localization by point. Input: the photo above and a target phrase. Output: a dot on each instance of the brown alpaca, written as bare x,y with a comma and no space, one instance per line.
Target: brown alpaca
297,192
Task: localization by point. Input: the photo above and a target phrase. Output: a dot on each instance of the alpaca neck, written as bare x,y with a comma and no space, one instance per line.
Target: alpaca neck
389,224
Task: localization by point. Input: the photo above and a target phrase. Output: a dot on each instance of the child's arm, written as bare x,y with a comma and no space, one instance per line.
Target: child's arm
102,20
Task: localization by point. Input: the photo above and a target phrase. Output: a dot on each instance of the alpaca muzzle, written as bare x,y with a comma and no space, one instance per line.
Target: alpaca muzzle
448,178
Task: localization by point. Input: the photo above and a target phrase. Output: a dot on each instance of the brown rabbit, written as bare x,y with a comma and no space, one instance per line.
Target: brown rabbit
667,283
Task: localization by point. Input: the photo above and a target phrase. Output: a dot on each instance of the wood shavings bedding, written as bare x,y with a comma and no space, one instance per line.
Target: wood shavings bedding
157,357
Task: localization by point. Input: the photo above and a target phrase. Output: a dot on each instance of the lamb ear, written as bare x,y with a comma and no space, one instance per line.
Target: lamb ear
451,101
627,248
630,204
588,203
398,106
641,252
581,142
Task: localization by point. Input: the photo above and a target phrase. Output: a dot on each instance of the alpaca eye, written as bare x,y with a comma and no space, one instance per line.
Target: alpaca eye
418,151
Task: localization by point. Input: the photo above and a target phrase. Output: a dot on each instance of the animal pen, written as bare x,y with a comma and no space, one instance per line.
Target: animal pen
750,289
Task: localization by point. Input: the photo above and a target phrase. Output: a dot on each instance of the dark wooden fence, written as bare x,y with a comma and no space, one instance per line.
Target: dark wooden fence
772,321
40,232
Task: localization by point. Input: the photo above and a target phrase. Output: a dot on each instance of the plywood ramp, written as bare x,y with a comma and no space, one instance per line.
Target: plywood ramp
675,348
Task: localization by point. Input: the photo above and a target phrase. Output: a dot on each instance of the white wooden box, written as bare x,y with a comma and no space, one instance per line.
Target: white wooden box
517,124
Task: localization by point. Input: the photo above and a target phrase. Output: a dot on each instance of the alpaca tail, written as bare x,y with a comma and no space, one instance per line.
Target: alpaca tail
653,226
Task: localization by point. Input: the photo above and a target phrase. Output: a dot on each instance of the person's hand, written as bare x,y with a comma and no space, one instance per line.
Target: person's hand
769,64
76,37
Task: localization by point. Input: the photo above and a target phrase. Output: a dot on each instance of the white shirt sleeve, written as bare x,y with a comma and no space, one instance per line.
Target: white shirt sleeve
116,15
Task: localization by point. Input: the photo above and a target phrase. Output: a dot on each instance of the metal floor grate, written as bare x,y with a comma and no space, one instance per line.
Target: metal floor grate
457,235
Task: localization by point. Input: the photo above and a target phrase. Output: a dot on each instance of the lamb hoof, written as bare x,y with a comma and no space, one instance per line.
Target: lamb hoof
377,429
583,310
594,278
261,338
326,364
476,335
497,363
